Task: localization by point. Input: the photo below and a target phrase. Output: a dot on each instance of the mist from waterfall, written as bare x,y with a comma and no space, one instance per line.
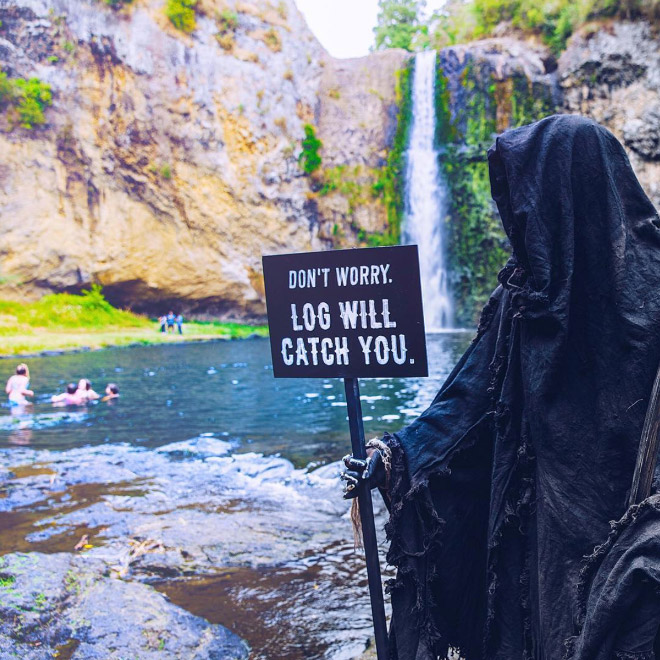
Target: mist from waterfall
426,198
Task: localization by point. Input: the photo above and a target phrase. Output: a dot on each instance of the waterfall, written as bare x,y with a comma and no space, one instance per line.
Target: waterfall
425,203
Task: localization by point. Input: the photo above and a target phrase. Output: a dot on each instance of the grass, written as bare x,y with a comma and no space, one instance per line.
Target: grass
62,321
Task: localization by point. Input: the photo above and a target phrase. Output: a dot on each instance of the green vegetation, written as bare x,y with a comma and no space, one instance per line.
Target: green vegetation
390,183
65,310
273,40
166,171
309,158
402,25
399,25
65,321
227,22
478,247
182,14
24,101
353,183
553,21
7,581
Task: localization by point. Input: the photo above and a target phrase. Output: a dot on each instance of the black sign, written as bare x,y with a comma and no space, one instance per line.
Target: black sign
346,313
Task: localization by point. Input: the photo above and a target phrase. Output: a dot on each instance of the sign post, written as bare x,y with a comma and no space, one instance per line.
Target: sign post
349,314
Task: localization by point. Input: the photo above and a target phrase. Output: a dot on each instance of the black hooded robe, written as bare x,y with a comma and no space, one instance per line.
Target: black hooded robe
510,478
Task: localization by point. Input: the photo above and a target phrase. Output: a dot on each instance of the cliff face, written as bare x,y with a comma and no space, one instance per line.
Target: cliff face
613,76
168,162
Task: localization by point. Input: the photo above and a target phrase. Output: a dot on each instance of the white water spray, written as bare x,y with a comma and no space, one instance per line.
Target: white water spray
426,204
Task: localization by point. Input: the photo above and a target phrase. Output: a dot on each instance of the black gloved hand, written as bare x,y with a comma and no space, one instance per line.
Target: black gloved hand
357,470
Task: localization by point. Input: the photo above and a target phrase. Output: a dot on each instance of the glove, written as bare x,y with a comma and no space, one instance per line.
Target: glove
372,471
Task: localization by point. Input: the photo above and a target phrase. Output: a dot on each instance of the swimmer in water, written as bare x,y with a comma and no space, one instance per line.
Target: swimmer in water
111,392
85,391
68,398
18,386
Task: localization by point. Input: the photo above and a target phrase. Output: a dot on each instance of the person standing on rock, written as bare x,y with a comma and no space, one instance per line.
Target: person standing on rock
503,486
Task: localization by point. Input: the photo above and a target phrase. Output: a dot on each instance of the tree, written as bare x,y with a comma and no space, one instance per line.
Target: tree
400,24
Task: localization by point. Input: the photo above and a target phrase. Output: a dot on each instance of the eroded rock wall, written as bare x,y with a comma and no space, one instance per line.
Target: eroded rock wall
169,162
613,75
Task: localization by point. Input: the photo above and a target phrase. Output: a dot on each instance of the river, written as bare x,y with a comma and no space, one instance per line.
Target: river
209,480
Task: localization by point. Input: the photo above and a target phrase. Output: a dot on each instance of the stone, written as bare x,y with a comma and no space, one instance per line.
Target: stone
613,75
49,603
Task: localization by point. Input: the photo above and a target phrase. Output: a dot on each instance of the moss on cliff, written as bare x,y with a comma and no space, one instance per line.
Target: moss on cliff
353,183
389,182
24,101
309,158
477,245
182,14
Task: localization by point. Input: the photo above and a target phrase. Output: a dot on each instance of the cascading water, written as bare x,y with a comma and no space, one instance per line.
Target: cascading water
426,197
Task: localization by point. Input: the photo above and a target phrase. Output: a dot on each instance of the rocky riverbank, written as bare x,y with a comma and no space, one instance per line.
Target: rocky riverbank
241,540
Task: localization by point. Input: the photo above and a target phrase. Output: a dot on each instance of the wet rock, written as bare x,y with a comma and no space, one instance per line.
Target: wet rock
273,542
48,602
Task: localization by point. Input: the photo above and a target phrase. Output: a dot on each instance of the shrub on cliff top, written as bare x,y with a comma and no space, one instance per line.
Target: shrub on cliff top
400,24
309,158
553,21
182,14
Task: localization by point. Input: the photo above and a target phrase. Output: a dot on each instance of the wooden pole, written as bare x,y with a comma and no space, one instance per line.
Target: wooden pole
647,455
352,388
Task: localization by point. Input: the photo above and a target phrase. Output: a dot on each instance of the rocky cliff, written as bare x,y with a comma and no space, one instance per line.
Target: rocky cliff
168,161
612,74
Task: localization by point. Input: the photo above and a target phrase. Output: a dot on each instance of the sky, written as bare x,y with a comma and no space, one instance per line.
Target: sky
345,27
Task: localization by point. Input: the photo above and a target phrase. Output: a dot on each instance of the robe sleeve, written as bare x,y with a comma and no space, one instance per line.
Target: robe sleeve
461,405
439,495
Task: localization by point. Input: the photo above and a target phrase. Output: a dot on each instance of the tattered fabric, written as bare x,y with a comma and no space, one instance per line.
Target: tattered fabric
510,478
619,591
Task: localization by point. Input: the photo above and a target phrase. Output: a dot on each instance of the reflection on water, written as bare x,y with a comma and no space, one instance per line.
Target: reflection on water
172,393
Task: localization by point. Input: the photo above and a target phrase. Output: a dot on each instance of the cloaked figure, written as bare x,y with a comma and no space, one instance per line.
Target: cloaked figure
502,492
